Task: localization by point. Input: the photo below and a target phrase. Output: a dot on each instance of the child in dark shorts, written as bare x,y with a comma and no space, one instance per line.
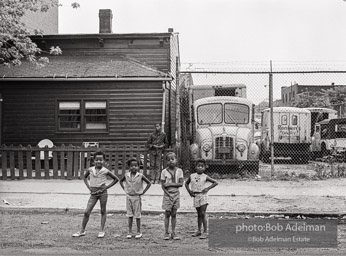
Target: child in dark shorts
172,179
133,187
98,191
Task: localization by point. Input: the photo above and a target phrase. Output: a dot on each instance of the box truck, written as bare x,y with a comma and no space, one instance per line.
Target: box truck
292,127
223,128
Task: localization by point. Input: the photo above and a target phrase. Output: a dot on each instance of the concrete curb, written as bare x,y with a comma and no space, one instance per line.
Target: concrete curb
223,213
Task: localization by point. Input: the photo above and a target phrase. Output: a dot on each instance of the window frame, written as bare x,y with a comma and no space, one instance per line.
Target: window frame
82,129
240,104
294,118
208,104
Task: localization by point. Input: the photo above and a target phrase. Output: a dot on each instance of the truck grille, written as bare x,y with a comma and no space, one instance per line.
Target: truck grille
224,148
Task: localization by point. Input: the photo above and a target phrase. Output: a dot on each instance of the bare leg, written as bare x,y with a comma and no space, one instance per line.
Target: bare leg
103,204
204,217
138,222
199,218
90,207
167,216
174,219
130,224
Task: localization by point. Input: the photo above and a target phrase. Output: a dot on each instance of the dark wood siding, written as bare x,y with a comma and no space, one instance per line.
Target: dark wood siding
29,111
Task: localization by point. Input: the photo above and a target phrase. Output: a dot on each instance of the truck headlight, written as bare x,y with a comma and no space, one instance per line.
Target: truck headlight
241,148
206,147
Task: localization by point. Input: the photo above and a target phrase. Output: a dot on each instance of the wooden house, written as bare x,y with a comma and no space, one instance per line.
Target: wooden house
108,88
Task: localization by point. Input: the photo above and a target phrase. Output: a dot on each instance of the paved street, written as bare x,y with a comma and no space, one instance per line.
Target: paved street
249,196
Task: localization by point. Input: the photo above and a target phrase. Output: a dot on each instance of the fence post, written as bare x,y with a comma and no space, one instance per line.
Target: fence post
29,162
4,163
116,161
75,164
82,162
12,167
20,163
62,162
55,163
69,162
271,120
37,165
46,163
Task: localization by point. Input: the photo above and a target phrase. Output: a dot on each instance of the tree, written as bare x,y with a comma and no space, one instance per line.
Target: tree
311,99
336,95
15,42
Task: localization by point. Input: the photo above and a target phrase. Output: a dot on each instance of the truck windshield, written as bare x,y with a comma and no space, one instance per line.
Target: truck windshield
236,113
209,113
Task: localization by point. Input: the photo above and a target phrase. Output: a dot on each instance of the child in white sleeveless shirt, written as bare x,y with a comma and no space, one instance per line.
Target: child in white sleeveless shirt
98,191
199,191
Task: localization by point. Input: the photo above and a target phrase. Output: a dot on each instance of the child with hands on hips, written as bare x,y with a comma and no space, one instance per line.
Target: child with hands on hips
98,191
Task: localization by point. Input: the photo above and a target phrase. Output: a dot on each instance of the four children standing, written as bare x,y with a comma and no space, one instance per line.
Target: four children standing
132,182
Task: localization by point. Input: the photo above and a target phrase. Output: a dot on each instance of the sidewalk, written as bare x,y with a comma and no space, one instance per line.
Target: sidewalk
327,197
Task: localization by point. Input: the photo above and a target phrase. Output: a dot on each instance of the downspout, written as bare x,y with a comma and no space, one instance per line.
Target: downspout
163,106
169,136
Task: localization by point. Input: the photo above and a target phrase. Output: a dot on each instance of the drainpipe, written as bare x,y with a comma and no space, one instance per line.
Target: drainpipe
169,136
163,106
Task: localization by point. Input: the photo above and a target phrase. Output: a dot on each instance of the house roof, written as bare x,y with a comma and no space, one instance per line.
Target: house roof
84,67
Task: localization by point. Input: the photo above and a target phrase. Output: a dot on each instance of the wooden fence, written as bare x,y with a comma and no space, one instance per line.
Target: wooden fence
65,162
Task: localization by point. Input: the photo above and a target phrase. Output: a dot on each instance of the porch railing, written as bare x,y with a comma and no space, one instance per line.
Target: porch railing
66,162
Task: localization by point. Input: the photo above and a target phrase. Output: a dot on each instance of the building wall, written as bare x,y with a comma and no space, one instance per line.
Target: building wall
289,93
29,111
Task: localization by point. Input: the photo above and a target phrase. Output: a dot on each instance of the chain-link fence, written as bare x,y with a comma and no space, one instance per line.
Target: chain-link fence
226,118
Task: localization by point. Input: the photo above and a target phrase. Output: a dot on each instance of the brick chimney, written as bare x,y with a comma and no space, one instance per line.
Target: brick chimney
106,17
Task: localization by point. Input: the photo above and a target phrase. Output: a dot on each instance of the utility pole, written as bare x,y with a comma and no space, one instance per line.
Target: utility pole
271,120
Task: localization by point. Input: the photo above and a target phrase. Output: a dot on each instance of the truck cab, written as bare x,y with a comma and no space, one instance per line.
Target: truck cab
224,132
329,137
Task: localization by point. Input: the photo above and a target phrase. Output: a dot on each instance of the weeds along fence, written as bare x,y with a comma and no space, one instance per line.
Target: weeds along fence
66,162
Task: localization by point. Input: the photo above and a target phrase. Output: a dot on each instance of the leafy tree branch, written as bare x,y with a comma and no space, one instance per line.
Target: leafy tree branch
15,42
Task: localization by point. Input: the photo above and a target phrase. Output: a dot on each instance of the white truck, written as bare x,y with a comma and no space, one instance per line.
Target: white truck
292,127
320,114
329,138
222,129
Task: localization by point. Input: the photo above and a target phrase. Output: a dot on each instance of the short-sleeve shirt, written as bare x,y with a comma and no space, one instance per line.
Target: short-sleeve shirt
172,177
133,184
198,182
98,178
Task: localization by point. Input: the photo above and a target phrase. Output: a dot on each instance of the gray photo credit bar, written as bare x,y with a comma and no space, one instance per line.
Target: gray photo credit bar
247,233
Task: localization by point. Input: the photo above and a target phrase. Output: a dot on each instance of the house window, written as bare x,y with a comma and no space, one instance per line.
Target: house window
69,116
82,116
95,115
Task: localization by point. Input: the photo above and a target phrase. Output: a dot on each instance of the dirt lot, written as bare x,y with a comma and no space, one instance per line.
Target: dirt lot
50,234
24,231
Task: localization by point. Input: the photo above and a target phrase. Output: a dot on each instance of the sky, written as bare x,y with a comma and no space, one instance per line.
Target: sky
233,34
